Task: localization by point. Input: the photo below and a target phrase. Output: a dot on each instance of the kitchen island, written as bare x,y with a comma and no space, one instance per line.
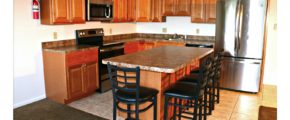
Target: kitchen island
160,68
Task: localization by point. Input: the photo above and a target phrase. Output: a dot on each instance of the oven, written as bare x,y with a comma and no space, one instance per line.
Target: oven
94,37
107,51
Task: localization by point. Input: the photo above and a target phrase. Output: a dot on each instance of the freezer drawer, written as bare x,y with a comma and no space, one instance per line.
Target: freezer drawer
241,74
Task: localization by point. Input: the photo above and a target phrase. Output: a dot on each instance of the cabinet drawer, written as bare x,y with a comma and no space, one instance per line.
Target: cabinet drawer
80,57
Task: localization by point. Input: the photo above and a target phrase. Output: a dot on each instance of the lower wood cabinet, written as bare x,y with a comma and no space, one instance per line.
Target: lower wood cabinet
82,79
70,76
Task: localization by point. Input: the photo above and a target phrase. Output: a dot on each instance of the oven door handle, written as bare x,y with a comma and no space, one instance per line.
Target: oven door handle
111,48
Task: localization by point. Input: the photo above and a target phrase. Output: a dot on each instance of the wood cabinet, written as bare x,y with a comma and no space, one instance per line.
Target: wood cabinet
62,11
156,11
70,76
182,7
203,11
143,10
131,11
210,10
176,7
120,11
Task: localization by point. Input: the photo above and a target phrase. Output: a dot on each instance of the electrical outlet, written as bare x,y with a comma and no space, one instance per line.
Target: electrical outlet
110,31
54,35
197,31
164,30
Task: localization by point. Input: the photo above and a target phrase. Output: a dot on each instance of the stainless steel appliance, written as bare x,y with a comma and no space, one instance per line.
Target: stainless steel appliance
99,10
94,37
240,38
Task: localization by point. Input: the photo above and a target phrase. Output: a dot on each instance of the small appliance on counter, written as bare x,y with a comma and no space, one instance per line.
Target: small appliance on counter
94,37
99,10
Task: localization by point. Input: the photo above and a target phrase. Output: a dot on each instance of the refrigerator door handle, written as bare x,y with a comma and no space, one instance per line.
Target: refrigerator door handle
240,26
237,22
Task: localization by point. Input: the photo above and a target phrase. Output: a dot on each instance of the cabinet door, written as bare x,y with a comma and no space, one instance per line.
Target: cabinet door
91,77
78,11
197,11
143,9
75,81
131,47
210,11
182,8
120,11
61,10
131,10
156,11
168,7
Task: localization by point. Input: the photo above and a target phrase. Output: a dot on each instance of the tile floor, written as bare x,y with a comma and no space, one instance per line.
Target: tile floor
232,106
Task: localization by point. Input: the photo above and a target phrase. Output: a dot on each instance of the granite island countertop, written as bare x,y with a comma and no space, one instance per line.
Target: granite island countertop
167,59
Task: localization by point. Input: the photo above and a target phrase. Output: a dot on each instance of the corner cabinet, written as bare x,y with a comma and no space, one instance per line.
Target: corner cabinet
143,10
62,11
70,76
176,7
203,11
156,11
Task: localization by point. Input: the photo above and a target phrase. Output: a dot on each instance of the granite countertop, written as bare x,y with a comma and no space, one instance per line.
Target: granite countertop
167,59
187,41
67,49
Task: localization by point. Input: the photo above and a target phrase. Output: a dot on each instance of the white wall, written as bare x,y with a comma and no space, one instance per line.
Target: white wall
28,35
270,73
179,25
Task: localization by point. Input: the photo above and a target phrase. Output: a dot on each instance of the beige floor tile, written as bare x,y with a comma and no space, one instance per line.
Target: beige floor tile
241,116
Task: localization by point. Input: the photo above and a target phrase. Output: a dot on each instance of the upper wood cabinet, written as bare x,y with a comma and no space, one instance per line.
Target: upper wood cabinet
176,7
131,11
156,11
203,11
143,10
182,7
62,11
120,11
210,10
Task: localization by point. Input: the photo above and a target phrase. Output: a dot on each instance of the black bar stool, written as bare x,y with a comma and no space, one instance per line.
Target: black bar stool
183,92
213,86
126,89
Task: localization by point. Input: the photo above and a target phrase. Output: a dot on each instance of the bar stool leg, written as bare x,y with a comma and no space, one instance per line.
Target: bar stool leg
205,104
129,111
200,109
180,109
174,108
195,109
137,110
165,107
155,107
114,111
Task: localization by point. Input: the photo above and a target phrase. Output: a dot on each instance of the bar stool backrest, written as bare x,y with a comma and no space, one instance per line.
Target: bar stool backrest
217,67
204,72
125,79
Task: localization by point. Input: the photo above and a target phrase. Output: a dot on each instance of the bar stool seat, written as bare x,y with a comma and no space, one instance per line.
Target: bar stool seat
183,90
144,94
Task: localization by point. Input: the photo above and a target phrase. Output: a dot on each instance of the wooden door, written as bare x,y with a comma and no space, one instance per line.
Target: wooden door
168,7
156,11
78,11
91,77
197,11
75,81
143,10
131,11
120,11
61,10
210,11
182,8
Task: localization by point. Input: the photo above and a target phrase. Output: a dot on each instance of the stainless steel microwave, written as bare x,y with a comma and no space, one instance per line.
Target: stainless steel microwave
99,10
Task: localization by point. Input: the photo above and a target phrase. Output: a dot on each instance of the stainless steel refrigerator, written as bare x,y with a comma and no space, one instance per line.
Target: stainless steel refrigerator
240,38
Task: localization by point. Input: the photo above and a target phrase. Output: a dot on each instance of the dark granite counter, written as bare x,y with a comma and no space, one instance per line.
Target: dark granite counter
167,59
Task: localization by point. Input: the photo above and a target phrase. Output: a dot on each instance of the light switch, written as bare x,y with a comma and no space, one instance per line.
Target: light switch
54,35
197,31
110,31
164,30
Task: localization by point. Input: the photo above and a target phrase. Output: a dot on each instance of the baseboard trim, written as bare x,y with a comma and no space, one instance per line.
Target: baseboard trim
16,105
